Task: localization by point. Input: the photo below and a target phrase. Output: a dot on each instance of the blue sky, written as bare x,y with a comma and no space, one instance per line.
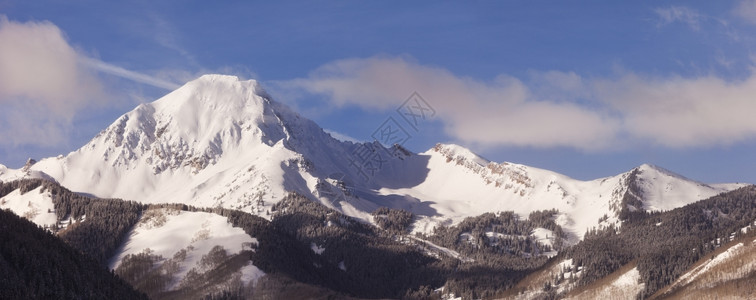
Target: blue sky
584,88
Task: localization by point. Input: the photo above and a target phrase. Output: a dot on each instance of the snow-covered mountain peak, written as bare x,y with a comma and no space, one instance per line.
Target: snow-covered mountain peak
220,93
192,125
198,145
661,189
651,172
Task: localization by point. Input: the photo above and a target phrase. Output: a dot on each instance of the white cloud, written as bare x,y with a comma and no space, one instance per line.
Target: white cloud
551,109
683,112
746,9
42,84
679,14
499,112
45,82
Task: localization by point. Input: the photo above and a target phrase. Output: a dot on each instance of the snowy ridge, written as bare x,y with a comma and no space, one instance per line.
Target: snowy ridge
221,141
459,153
462,185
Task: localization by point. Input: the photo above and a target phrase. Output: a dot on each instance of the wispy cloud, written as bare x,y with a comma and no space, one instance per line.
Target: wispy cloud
705,23
111,69
166,35
552,109
681,14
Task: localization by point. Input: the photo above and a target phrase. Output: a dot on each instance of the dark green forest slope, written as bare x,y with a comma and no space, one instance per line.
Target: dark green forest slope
34,264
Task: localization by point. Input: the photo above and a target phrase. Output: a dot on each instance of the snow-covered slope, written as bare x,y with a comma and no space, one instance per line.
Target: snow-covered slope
183,238
34,205
625,285
221,141
725,274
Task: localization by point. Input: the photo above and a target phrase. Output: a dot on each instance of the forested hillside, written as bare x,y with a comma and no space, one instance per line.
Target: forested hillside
308,248
662,246
108,221
36,265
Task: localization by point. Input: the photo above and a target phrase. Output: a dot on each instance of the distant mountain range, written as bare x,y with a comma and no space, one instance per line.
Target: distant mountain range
222,143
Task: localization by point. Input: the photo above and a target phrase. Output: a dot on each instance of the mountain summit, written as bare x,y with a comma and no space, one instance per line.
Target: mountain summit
192,126
199,145
219,141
